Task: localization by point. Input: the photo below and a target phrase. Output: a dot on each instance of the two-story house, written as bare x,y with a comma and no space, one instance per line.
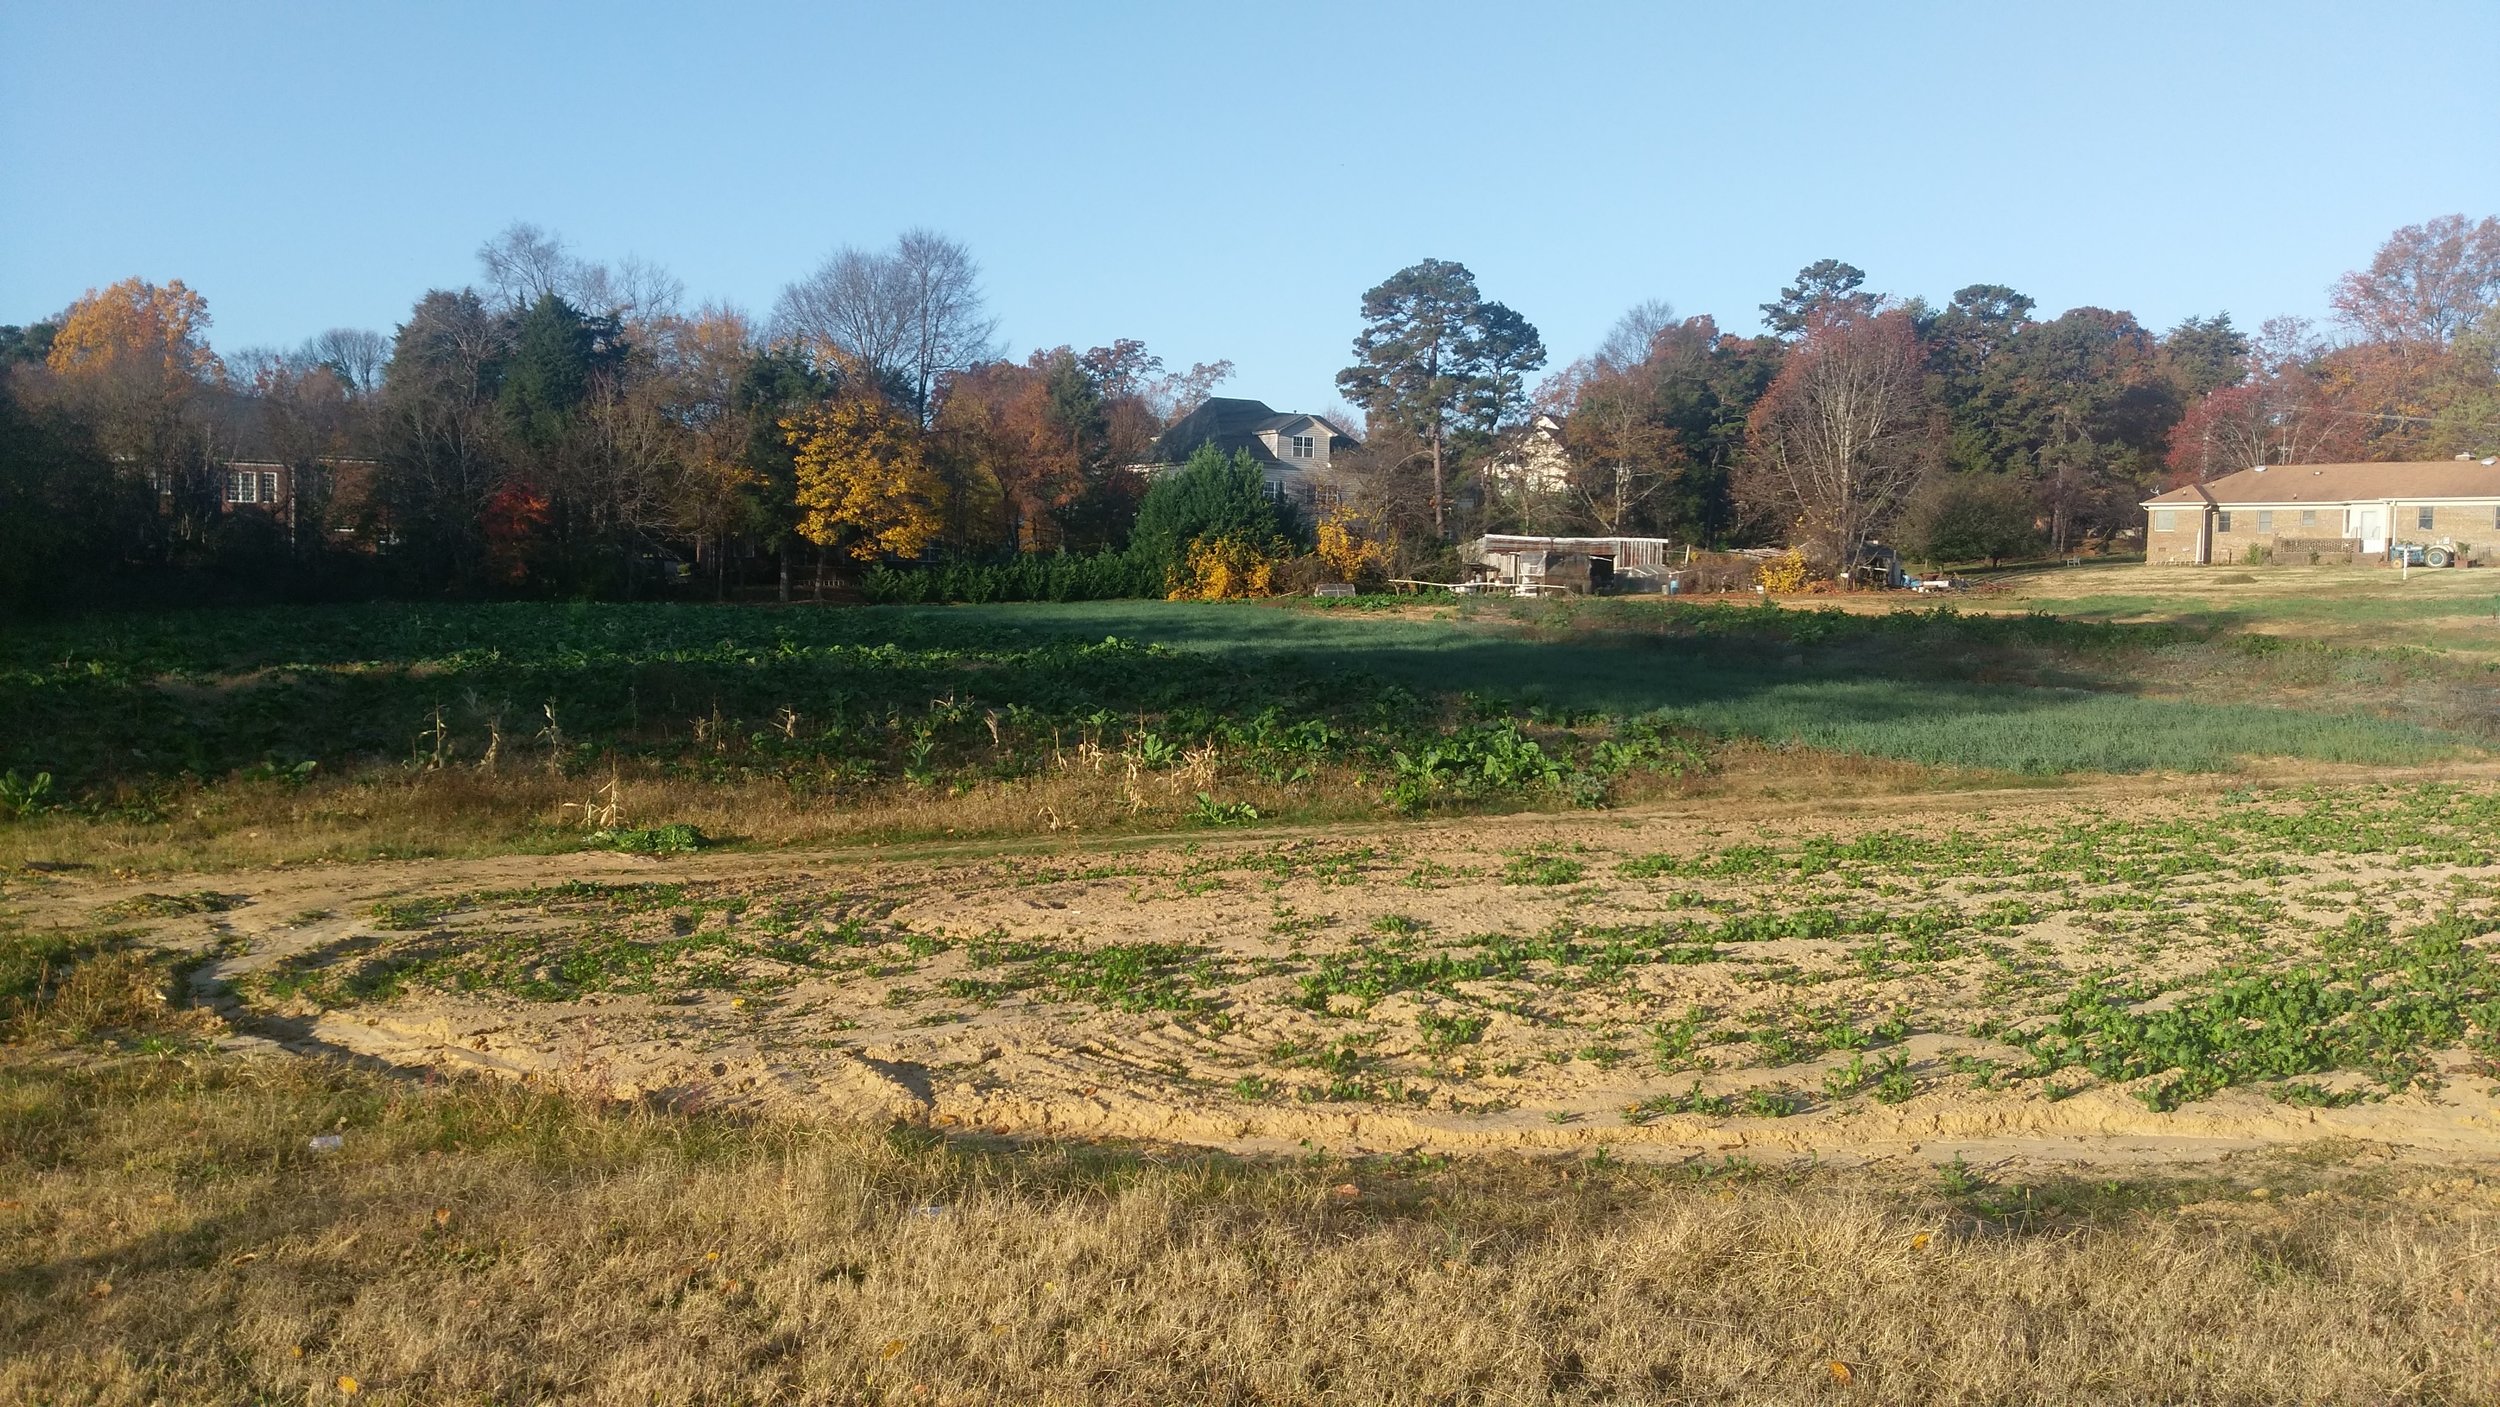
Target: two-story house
1535,458
1294,452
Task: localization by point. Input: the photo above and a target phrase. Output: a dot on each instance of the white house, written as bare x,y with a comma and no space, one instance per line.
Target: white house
1534,459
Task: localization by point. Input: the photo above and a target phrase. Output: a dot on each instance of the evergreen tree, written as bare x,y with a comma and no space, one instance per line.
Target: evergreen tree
1212,495
1435,360
555,353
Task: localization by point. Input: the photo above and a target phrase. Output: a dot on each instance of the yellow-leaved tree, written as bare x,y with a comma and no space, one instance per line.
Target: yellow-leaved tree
864,481
144,331
132,360
1344,550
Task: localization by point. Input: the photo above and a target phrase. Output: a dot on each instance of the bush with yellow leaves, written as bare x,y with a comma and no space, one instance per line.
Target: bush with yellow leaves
1785,573
1222,569
1345,551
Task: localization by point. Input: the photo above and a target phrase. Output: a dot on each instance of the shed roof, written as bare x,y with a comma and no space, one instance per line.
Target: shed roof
2341,483
1530,542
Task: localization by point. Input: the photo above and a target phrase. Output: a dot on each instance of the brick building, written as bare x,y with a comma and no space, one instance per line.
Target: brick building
2328,511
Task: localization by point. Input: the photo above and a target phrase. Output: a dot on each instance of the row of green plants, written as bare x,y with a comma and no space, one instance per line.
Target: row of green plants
126,724
118,709
1063,576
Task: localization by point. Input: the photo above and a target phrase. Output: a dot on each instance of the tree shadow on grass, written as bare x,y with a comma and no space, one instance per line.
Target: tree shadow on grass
1928,687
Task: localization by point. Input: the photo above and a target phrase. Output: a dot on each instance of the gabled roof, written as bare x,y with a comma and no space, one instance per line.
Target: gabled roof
1233,423
2341,483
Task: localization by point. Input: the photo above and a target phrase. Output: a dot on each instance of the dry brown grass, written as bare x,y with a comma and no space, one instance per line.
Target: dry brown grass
462,814
169,1236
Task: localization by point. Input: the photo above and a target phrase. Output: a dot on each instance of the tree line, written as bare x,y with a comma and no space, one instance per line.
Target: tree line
1979,429
566,426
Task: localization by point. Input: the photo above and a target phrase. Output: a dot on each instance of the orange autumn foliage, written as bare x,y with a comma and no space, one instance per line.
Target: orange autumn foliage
135,327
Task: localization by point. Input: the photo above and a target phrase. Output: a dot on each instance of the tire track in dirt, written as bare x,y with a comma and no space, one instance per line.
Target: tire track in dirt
869,1043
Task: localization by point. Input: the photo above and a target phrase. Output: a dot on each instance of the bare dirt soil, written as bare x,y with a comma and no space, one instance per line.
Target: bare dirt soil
2139,972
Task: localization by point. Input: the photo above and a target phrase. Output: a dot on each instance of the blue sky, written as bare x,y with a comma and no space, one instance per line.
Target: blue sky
1226,180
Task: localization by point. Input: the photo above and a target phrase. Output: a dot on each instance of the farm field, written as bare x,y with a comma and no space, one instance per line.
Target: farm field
2064,980
177,740
2131,1092
1131,1002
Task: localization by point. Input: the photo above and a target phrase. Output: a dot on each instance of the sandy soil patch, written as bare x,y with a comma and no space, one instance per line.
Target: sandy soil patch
1848,984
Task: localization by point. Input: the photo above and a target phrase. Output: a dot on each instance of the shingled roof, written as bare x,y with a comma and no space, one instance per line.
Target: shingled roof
2405,481
1232,423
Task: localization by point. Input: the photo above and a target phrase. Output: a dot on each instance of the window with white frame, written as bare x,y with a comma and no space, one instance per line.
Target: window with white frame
2265,521
2422,519
2164,520
1304,446
2222,521
251,486
2309,517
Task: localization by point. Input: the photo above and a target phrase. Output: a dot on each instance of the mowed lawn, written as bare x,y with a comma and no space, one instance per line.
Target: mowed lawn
2456,610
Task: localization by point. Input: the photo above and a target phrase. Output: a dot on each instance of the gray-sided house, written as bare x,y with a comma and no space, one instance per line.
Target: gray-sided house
2329,510
1294,452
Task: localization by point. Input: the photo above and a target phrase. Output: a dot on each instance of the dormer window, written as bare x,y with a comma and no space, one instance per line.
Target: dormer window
1304,446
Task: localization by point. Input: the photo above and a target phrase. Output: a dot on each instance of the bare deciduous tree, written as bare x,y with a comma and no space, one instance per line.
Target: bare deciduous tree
898,320
524,264
844,314
636,292
1628,342
1177,393
355,355
949,326
1841,437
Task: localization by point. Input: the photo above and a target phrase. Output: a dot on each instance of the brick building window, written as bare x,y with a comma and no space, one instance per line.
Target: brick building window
2265,521
2309,517
2164,520
251,486
2422,519
2222,521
